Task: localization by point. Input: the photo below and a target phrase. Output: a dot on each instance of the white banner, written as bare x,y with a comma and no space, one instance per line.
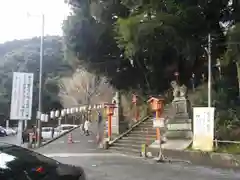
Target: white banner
203,128
21,100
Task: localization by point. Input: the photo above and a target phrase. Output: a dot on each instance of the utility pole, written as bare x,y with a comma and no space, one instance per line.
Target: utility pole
209,70
40,83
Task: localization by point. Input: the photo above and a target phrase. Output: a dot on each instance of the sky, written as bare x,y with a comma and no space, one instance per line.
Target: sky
17,24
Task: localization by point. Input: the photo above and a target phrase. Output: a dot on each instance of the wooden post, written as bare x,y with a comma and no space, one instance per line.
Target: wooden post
109,126
109,112
157,106
157,129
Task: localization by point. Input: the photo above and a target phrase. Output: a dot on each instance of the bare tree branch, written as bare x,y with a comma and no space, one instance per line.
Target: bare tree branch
86,88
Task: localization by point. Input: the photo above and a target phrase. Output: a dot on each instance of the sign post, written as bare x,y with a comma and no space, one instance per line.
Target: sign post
203,128
21,100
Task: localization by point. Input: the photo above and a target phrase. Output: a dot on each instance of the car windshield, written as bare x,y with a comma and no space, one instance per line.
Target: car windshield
14,158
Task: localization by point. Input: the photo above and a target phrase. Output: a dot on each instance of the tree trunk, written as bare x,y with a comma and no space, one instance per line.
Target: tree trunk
238,77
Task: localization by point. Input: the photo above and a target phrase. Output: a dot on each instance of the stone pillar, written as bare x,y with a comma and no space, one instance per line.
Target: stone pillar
116,115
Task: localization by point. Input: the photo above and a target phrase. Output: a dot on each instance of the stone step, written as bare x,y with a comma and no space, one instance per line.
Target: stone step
146,124
144,129
149,122
141,136
134,141
179,134
143,133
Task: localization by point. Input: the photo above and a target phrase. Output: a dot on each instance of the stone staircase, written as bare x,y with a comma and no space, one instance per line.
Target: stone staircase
178,134
144,133
131,142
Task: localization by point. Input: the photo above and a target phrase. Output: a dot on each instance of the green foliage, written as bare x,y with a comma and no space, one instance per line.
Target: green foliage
227,118
23,56
139,45
145,41
233,47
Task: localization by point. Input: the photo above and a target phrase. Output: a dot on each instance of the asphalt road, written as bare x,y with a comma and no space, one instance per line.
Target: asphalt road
103,165
118,167
9,139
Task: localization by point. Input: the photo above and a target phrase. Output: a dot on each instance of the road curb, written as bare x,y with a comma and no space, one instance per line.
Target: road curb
211,159
56,138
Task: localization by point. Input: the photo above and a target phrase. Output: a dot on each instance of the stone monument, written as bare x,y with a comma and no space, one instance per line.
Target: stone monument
180,102
180,126
178,132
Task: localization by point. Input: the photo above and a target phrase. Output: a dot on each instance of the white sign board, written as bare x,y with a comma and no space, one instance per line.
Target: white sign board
203,128
22,92
159,123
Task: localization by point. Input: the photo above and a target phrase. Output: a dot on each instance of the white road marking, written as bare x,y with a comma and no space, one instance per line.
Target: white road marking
90,141
67,155
92,149
62,155
77,141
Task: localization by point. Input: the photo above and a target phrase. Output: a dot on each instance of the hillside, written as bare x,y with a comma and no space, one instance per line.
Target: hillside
23,56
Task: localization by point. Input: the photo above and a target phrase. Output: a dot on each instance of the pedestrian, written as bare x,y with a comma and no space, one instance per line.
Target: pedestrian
99,119
52,132
99,128
34,130
86,127
23,138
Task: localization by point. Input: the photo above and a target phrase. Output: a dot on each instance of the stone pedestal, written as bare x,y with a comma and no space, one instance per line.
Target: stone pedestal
180,127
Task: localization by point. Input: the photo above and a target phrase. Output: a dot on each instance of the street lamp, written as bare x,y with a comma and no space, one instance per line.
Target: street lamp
38,122
208,50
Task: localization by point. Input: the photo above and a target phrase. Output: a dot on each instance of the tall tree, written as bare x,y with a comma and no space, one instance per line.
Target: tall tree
232,54
91,38
145,41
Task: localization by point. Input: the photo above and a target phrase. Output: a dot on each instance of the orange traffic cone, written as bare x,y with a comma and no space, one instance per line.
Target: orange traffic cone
70,140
